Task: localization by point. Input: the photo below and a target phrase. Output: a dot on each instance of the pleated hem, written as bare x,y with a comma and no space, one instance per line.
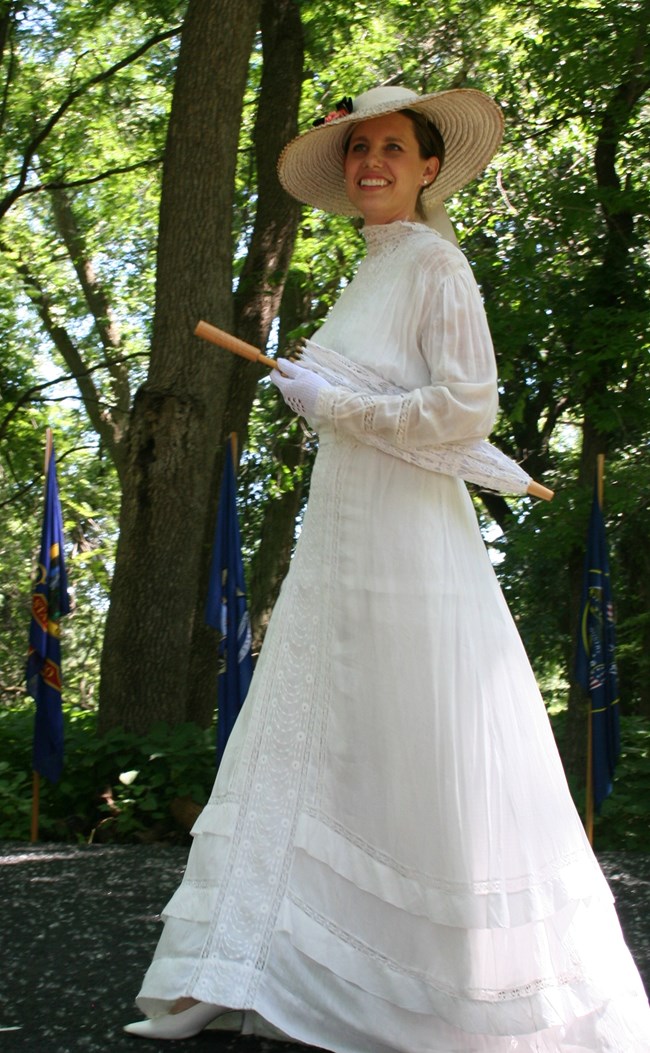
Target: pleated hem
305,1001
504,901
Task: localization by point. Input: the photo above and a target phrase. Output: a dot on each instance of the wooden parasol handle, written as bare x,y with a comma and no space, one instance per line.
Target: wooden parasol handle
233,343
537,490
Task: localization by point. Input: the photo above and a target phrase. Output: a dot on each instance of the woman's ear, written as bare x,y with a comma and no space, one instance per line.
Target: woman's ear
431,171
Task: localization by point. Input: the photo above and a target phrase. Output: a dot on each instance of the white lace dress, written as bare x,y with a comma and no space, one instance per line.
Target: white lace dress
390,859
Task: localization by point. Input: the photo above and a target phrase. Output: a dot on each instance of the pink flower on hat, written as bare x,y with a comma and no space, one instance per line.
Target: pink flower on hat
342,109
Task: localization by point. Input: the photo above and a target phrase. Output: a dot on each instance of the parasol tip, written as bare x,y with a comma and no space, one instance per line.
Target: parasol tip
537,490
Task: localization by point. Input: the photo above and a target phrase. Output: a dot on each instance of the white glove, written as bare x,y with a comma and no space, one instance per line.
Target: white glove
299,386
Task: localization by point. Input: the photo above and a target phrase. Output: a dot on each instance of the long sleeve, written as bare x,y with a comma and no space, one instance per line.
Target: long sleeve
461,400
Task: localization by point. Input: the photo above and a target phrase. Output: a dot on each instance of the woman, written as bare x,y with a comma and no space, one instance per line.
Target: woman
390,859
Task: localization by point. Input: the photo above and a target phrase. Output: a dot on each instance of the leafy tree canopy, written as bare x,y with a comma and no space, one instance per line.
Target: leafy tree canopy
557,233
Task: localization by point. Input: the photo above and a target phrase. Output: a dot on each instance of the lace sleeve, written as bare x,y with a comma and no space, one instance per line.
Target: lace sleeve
460,402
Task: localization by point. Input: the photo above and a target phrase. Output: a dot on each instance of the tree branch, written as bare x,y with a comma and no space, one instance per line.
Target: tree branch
264,272
73,184
617,115
29,394
7,23
103,421
98,304
70,99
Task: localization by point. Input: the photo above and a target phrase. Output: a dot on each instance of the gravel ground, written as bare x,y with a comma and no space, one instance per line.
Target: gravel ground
80,924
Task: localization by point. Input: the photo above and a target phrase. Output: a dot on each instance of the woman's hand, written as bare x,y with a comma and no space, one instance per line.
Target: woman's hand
299,386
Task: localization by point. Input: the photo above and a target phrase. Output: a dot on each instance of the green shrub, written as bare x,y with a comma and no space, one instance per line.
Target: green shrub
118,787
624,822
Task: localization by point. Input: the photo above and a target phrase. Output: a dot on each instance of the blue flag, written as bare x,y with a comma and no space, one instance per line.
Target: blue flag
596,657
50,602
227,611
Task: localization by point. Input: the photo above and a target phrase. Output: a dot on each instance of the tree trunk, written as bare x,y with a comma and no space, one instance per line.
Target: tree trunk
175,431
259,292
159,659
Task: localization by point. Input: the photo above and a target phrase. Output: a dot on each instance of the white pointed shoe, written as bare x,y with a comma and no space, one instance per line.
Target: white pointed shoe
177,1025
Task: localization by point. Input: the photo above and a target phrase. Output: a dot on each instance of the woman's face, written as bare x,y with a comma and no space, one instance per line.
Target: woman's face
383,169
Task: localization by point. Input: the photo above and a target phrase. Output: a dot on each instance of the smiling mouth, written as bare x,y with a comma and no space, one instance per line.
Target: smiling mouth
373,182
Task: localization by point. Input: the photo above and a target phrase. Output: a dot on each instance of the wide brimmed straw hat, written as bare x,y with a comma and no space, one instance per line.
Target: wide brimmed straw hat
310,167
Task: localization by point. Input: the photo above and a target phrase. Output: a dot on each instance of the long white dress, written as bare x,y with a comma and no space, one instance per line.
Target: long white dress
390,859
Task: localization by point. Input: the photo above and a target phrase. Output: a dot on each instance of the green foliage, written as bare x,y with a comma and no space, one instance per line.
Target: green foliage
535,572
77,245
571,339
623,824
116,788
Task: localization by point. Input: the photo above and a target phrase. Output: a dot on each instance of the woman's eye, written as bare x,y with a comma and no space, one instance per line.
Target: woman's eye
358,148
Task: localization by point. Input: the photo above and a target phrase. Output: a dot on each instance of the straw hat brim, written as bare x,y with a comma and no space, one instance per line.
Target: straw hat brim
310,167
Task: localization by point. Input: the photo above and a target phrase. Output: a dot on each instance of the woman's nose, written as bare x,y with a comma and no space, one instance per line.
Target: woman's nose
373,158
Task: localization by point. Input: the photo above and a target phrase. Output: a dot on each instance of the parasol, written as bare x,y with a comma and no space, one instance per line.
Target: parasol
475,461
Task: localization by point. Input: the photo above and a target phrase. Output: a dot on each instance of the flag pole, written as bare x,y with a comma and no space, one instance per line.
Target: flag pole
589,803
36,794
36,779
